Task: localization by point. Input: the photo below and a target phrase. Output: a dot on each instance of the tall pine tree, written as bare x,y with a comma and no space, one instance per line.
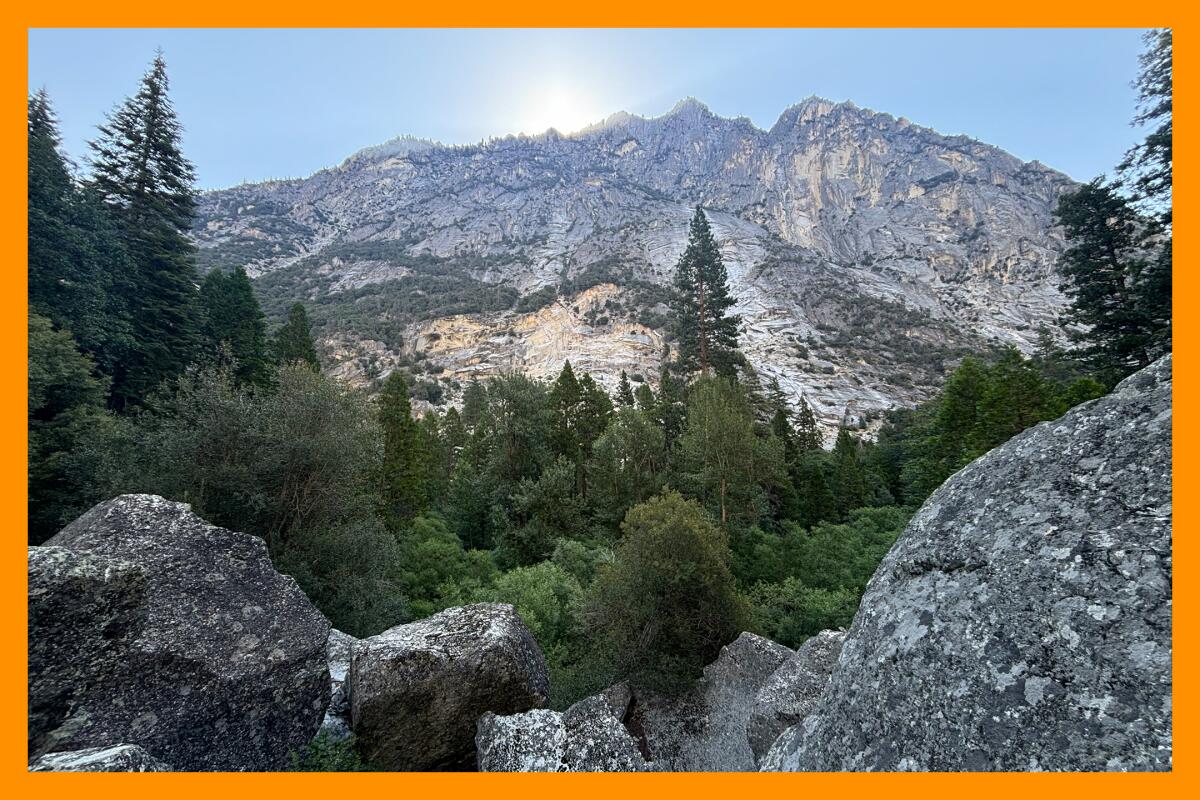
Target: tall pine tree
707,335
624,391
293,341
142,176
405,459
234,319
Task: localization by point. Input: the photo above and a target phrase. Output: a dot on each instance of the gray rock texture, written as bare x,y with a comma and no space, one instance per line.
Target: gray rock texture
118,758
339,651
858,246
149,626
791,692
705,729
1023,620
587,737
417,690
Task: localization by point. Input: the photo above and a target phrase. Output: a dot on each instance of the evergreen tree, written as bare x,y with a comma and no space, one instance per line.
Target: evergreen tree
234,319
565,398
706,334
474,407
1148,168
1103,266
814,499
405,459
144,179
626,465
808,432
644,395
624,391
849,485
293,341
75,257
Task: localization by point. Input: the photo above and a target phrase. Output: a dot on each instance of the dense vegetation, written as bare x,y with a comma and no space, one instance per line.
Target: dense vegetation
635,535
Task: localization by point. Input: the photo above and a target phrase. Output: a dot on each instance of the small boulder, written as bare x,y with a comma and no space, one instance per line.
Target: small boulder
192,646
587,737
119,758
417,690
790,694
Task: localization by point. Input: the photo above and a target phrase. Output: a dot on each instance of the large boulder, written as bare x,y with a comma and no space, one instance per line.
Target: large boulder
792,691
705,728
181,638
588,737
417,690
1023,620
118,758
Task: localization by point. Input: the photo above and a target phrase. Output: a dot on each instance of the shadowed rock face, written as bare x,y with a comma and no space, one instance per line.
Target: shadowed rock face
120,758
833,210
417,690
1023,620
149,626
793,690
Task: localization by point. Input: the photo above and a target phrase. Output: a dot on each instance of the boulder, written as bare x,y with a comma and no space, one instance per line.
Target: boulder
118,758
587,737
1023,619
790,694
417,690
191,645
705,729
338,651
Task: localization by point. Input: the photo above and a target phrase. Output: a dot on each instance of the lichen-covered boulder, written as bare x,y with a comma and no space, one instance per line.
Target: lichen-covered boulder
587,737
417,690
791,692
339,651
208,658
705,729
1023,619
118,758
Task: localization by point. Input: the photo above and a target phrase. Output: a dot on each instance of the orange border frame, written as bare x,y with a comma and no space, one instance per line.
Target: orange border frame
545,13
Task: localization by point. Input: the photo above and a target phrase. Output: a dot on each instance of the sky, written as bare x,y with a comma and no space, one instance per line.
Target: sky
261,104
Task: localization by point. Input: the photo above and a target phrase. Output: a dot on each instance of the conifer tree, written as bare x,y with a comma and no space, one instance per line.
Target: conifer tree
644,396
624,391
74,255
293,341
707,335
1103,266
565,397
405,460
234,318
849,478
808,432
144,179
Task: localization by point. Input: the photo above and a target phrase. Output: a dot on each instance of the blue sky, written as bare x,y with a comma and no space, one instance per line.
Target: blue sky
260,104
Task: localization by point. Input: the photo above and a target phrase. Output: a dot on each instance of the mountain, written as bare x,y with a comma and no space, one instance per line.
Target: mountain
867,253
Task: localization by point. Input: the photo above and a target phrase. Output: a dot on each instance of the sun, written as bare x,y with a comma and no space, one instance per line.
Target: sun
564,108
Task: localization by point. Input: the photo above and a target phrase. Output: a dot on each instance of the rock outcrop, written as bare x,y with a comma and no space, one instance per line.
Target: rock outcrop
150,627
417,690
861,248
119,758
792,691
587,737
705,729
1023,620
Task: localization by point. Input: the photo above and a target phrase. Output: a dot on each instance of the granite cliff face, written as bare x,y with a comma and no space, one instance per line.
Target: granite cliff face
846,233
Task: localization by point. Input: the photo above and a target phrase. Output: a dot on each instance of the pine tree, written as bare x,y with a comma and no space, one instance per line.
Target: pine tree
1148,168
624,391
644,396
808,432
234,319
707,336
74,254
142,176
565,397
405,460
849,478
293,341
1102,266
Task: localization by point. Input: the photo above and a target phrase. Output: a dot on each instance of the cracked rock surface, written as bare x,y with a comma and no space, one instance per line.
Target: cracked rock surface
1023,619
